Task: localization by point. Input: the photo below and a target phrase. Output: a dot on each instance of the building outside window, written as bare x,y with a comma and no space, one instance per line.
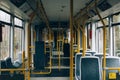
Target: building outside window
5,44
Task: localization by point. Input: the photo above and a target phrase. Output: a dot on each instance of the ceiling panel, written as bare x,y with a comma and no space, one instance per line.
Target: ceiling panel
59,10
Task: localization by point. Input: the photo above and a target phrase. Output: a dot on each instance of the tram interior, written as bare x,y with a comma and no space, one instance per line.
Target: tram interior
60,39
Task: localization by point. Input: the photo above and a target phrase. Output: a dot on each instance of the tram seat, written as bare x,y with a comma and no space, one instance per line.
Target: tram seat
89,68
66,51
39,61
4,66
18,62
77,64
39,47
112,62
9,63
18,77
39,56
13,77
91,52
100,55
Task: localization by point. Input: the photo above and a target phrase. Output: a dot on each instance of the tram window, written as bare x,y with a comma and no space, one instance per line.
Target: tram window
18,22
17,41
5,44
117,39
100,40
116,18
105,21
5,17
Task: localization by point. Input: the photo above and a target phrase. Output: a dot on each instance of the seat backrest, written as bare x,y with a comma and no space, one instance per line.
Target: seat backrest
111,62
66,49
39,61
39,47
3,64
77,63
100,55
9,63
89,69
91,52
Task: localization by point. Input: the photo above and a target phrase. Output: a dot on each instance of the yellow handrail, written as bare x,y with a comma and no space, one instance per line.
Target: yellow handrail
78,37
83,39
113,68
19,69
23,59
83,36
104,41
71,39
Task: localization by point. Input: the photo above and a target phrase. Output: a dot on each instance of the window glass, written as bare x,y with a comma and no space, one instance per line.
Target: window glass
116,18
117,39
5,44
17,41
105,21
100,40
5,17
18,22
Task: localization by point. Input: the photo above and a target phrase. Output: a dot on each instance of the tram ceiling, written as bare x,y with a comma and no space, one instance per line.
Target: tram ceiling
89,10
58,10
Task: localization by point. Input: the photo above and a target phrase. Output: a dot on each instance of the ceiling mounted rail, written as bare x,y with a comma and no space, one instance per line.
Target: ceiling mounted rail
34,10
85,10
44,16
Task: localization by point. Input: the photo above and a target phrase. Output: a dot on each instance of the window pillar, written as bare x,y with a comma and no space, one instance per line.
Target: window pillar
12,39
110,37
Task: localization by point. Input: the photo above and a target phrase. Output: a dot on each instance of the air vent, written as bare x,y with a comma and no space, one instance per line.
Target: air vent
104,5
18,3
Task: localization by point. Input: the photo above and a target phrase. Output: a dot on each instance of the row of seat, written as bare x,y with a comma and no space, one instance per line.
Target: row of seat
12,77
7,64
90,67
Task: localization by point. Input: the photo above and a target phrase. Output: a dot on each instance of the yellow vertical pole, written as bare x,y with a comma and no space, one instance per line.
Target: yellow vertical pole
44,43
75,37
104,44
59,48
71,39
83,41
27,74
50,49
78,37
62,40
23,61
29,44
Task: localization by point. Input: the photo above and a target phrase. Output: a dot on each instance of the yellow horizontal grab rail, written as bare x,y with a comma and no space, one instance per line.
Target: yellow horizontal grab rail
13,70
41,72
60,40
112,68
31,46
